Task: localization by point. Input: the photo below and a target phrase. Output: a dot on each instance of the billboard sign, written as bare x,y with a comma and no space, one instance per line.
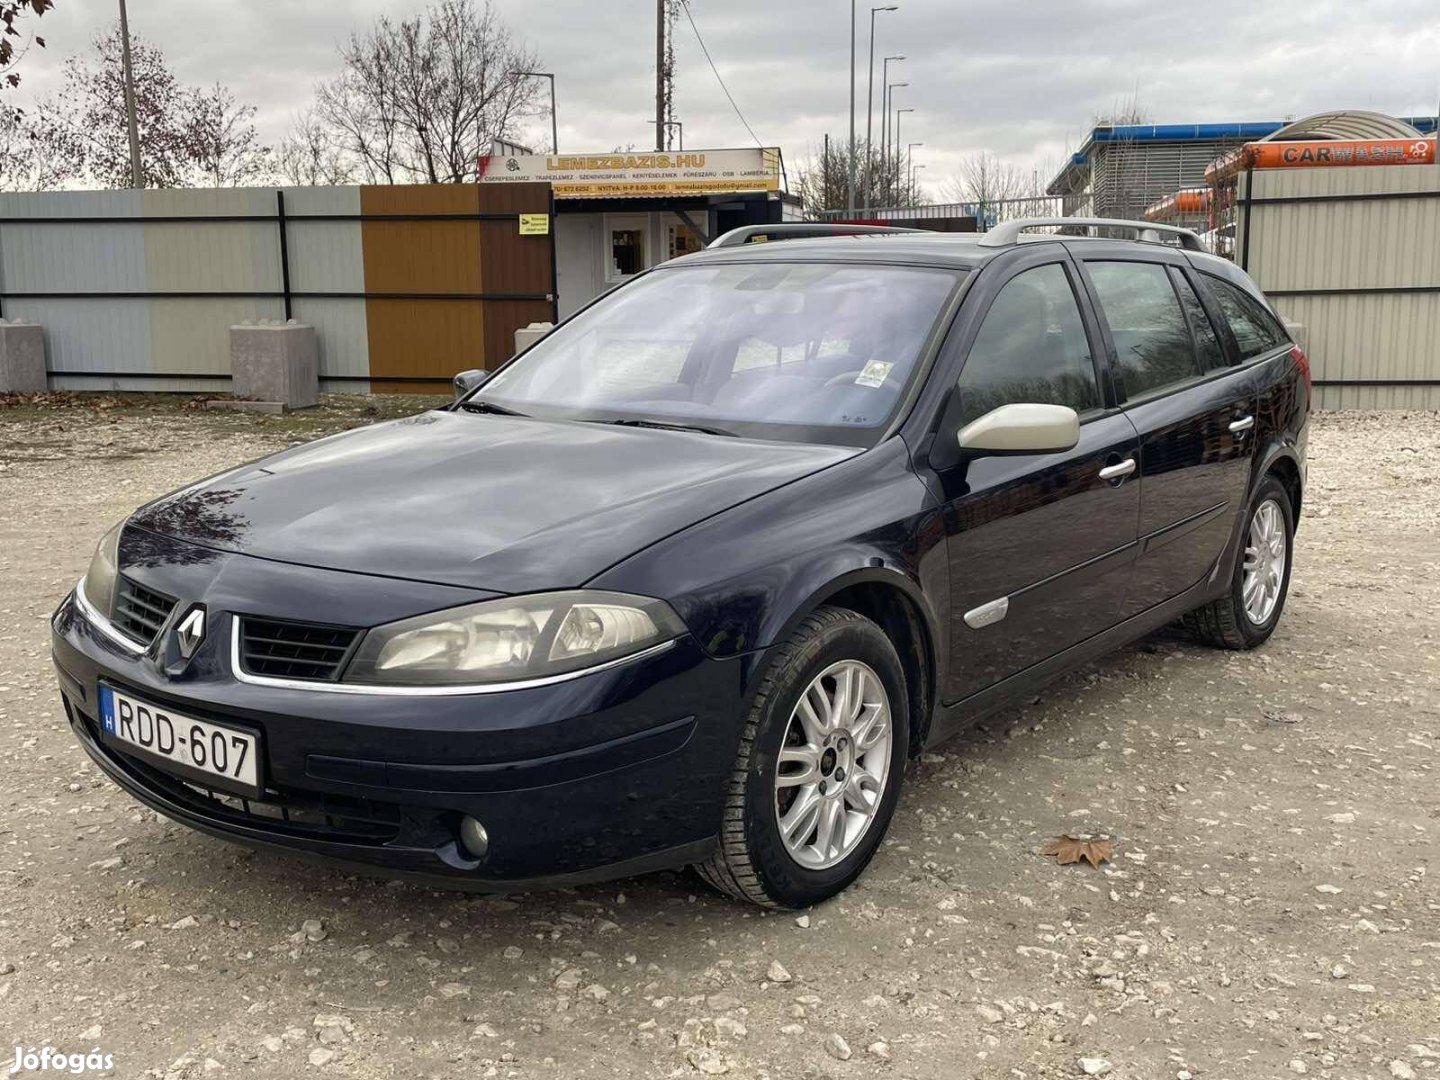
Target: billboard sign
642,175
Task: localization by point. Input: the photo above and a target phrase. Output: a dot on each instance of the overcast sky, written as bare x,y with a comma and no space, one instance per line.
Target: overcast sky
1023,79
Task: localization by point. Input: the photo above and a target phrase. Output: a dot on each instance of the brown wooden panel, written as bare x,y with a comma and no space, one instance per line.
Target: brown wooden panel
435,338
514,198
512,263
431,339
427,338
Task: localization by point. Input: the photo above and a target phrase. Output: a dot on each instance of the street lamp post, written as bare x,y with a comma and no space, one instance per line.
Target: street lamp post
554,122
913,170
885,102
850,171
898,113
885,135
909,159
870,100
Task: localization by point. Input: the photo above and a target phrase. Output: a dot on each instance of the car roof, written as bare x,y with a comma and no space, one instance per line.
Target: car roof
961,251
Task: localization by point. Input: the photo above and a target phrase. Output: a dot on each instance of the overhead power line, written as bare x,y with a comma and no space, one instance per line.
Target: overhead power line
690,16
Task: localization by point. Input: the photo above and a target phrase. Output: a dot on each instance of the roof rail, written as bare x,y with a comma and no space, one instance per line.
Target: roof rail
1010,232
799,230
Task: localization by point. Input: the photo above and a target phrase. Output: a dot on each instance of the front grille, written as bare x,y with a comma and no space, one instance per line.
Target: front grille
139,612
323,817
291,650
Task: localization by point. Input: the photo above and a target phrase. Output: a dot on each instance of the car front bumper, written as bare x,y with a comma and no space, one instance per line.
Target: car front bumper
616,772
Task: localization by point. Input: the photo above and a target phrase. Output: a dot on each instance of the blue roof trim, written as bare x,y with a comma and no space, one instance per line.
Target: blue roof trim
1183,132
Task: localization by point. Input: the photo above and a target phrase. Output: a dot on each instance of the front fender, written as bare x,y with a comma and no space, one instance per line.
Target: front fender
743,579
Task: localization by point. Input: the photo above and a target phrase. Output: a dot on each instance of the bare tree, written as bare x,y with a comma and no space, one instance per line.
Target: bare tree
311,154
824,178
225,149
88,115
1126,110
422,99
12,12
985,180
187,136
30,159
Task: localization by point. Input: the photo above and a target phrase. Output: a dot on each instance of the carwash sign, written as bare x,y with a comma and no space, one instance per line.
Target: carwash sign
1322,153
686,172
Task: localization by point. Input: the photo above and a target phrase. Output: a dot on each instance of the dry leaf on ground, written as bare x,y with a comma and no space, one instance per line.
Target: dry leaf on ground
1069,849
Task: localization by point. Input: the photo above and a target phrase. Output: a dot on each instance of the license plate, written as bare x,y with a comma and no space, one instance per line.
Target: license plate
195,749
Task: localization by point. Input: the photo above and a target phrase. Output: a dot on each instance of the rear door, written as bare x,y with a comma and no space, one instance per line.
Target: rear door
1193,408
1039,545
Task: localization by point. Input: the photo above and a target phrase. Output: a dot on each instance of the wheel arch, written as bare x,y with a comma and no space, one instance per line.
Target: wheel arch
895,603
1283,462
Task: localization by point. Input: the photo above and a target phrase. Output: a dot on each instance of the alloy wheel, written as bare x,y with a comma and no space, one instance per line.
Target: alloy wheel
834,764
1266,550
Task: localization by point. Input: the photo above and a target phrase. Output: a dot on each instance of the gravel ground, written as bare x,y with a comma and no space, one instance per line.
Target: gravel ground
1273,908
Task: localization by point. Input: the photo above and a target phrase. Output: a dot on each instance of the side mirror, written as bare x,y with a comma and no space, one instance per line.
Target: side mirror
1022,429
469,380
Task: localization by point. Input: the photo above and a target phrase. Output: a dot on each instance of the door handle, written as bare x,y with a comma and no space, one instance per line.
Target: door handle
1242,425
1115,472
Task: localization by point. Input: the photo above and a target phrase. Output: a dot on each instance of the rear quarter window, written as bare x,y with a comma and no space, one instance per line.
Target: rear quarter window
1256,330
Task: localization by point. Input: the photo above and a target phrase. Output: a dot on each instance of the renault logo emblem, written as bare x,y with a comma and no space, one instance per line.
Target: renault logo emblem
191,632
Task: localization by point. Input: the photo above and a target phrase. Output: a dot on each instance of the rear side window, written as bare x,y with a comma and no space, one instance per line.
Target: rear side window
1207,342
1031,348
1255,329
1153,345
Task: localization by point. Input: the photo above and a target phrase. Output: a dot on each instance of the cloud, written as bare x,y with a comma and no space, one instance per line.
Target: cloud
1023,79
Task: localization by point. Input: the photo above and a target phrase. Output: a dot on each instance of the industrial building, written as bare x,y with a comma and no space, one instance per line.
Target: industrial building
1122,170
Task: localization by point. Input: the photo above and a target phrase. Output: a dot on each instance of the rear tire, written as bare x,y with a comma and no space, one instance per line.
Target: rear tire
1249,611
823,750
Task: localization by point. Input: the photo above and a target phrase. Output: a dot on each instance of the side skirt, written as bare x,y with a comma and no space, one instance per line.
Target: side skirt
948,720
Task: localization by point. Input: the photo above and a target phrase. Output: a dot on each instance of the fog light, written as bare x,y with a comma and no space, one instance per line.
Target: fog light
473,837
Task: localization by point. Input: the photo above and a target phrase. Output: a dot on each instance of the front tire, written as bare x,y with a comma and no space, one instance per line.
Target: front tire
821,760
1250,610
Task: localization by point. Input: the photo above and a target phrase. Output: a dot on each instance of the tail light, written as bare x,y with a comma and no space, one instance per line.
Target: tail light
1303,362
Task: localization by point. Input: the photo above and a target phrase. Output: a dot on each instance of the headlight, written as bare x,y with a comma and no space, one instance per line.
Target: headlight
525,637
99,583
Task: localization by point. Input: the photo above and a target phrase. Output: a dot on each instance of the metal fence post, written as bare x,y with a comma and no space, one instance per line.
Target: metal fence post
1249,194
284,251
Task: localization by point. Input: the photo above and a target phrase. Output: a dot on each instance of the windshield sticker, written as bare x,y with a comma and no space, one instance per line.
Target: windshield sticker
875,373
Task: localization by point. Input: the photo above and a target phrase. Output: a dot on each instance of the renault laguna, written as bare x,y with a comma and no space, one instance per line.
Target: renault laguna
692,579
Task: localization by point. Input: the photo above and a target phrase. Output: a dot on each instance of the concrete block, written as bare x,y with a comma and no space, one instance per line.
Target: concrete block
22,358
528,335
275,362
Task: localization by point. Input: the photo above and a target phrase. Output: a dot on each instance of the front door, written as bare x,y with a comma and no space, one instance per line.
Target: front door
1040,546
1194,412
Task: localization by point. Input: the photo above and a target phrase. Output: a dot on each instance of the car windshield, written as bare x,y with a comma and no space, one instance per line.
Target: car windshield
802,351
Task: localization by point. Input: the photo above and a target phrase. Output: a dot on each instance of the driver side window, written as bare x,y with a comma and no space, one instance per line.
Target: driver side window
1031,348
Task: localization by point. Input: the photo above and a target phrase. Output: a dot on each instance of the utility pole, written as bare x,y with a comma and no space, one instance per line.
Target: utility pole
661,97
137,176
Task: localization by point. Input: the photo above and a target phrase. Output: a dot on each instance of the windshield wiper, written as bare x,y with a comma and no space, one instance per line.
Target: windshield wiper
488,407
666,426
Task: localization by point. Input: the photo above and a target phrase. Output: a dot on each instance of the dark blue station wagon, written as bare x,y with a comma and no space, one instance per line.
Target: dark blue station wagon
692,579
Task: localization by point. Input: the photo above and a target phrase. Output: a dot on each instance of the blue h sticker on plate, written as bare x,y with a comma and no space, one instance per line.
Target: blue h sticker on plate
107,709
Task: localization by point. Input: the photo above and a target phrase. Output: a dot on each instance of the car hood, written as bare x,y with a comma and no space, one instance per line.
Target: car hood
507,504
